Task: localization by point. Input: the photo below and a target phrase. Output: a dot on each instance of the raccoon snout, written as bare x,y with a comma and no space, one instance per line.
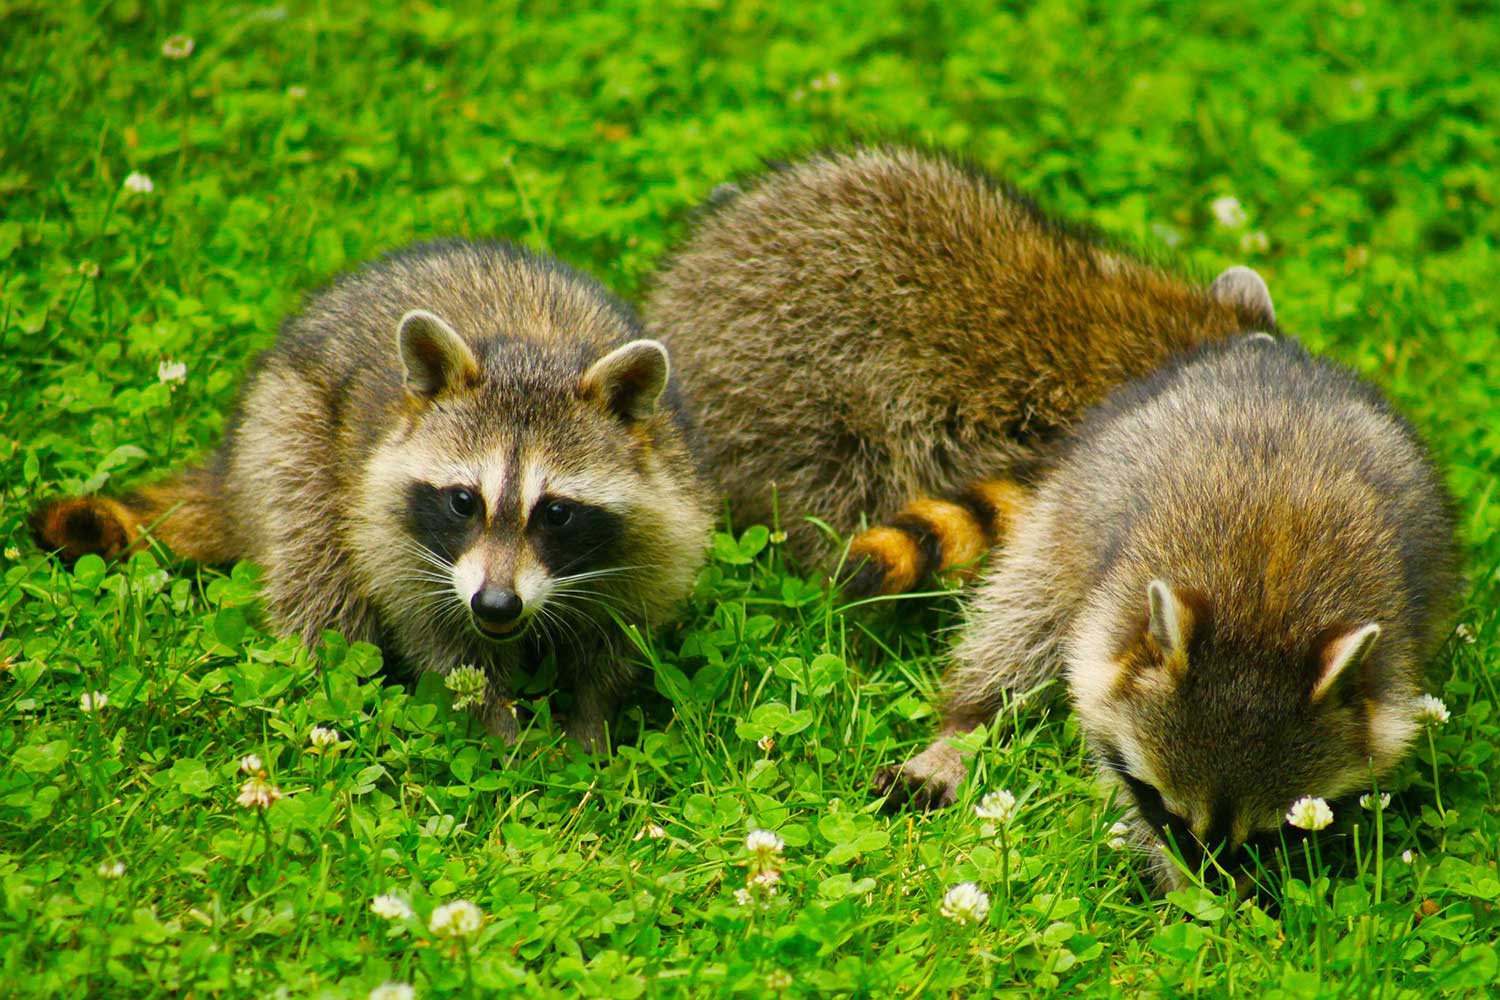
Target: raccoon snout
496,608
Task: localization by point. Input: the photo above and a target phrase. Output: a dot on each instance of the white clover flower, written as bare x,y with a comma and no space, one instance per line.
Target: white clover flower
251,763
1228,211
1408,856
390,906
322,738
177,47
766,744
778,979
1309,813
1119,836
1464,632
1431,711
651,830
111,869
1255,242
766,881
258,793
469,684
966,903
743,897
393,991
90,269
138,183
998,806
1369,800
171,372
763,844
93,701
459,918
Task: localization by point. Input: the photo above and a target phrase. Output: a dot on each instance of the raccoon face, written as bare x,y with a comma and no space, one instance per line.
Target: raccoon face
1212,739
515,495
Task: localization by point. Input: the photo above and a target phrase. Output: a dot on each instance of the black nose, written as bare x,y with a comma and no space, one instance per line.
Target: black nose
496,605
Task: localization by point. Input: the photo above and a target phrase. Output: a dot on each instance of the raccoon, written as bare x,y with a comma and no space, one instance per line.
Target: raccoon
1240,564
466,452
861,327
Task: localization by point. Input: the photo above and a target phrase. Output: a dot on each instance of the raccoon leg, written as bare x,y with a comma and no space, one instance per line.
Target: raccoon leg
596,697
499,717
929,536
1009,647
186,513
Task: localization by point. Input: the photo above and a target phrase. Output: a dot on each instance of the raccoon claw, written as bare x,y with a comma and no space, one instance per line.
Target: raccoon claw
591,738
902,787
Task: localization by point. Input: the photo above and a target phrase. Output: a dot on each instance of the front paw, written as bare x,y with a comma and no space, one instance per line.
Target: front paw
499,718
930,780
590,734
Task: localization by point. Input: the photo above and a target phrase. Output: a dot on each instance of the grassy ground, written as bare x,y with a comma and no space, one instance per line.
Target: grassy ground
1362,144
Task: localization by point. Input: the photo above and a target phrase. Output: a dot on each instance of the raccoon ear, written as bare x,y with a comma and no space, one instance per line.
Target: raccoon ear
1241,286
1341,658
630,379
1171,625
433,356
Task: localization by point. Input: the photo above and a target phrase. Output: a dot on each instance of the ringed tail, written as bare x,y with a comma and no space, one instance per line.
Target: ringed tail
931,535
186,513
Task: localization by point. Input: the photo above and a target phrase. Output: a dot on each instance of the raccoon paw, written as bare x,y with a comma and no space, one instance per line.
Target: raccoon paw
590,735
499,718
80,526
927,781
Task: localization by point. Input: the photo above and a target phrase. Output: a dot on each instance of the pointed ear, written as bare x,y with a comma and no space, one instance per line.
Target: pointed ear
1171,625
1341,657
629,380
1243,287
434,357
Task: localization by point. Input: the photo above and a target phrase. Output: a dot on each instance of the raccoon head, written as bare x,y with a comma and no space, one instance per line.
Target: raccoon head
523,488
1213,734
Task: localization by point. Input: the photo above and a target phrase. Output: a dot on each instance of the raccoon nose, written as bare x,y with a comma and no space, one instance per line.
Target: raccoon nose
496,605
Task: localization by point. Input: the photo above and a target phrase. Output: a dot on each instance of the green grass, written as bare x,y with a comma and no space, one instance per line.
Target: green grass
1363,141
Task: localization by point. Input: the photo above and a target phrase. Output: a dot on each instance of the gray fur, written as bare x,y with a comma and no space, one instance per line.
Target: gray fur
449,365
1286,506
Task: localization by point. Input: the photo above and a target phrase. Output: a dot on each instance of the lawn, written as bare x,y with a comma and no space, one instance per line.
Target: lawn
176,177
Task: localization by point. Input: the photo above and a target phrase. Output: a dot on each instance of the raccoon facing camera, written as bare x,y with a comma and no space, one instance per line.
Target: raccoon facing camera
466,452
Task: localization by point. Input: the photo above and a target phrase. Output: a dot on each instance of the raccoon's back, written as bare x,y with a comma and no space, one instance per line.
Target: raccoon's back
1284,486
862,327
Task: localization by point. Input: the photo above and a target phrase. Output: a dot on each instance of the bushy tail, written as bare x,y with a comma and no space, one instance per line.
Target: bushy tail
928,536
186,513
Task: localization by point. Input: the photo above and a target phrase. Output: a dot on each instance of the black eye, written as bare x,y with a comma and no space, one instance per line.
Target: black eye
462,503
557,514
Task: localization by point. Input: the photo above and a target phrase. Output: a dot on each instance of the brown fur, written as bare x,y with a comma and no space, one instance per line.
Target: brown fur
1193,565
185,513
868,326
528,385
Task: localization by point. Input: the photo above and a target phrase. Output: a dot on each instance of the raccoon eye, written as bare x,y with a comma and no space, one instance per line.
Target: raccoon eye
462,503
557,514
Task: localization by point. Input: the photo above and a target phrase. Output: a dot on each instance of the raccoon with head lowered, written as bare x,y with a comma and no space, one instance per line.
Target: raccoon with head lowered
863,327
1240,564
465,452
